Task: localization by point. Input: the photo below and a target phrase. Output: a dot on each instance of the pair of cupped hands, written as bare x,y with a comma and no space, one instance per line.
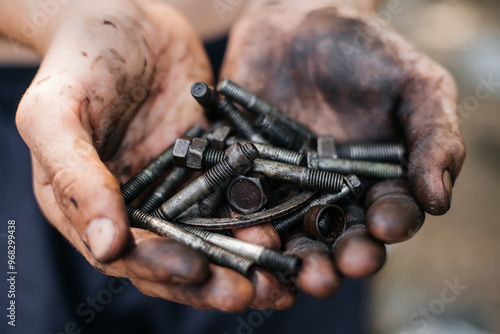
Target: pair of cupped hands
113,91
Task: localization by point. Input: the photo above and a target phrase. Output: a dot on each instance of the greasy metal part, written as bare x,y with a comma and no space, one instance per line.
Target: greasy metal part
240,122
256,105
216,254
247,194
156,168
277,133
252,219
278,171
208,204
325,222
165,189
195,152
352,187
205,96
390,152
217,137
238,160
181,149
312,159
261,255
274,153
378,170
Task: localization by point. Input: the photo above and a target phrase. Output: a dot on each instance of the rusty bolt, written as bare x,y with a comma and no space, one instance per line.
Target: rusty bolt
247,194
217,137
194,156
325,222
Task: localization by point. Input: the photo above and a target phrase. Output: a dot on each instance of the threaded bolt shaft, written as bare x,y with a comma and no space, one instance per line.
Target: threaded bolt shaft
372,152
256,105
363,168
240,122
156,168
208,204
277,132
164,190
203,185
216,254
261,255
206,98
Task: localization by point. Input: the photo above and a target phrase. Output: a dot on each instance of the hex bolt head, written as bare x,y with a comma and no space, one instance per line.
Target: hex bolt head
326,147
325,222
247,194
217,137
194,158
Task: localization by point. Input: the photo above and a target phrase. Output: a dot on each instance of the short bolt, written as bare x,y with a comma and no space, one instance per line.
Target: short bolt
205,96
216,254
240,122
390,152
247,194
261,255
156,168
238,160
351,187
278,133
165,189
258,106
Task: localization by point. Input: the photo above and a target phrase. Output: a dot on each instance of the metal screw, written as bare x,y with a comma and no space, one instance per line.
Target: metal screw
208,204
327,148
260,254
165,189
378,170
352,187
277,171
247,194
205,96
240,122
278,133
156,168
216,254
258,106
238,160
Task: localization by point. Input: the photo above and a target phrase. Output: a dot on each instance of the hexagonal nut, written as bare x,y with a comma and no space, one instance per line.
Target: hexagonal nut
325,222
181,149
240,157
194,158
217,137
248,194
326,147
312,159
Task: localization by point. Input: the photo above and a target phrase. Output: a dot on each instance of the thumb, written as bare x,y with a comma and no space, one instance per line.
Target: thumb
54,127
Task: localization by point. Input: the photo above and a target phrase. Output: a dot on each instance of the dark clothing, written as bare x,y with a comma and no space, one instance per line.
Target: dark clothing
57,291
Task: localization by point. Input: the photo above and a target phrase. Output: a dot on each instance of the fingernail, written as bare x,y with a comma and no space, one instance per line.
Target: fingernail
101,233
448,185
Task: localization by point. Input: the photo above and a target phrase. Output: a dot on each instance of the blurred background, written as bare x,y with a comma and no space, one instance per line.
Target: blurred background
411,294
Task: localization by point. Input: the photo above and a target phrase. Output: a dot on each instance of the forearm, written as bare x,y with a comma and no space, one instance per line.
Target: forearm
364,5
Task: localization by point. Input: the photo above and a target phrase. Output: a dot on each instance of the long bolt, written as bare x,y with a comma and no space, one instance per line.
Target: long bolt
378,170
216,254
352,186
203,185
302,176
165,189
240,122
277,132
372,152
258,106
274,153
261,255
204,95
156,168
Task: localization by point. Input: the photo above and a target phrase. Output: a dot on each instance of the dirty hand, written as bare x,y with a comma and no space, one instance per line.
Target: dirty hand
113,91
324,63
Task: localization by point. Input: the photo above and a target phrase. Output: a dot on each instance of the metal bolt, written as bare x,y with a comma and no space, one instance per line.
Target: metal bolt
247,194
378,170
218,135
277,132
216,254
165,189
352,187
240,122
277,171
205,96
238,160
156,168
208,204
325,222
258,106
261,255
327,148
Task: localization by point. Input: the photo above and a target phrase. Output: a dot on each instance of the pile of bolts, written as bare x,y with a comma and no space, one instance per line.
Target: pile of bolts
263,149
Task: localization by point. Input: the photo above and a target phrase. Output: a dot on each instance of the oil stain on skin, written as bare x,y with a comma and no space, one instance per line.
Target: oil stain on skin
75,203
106,22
